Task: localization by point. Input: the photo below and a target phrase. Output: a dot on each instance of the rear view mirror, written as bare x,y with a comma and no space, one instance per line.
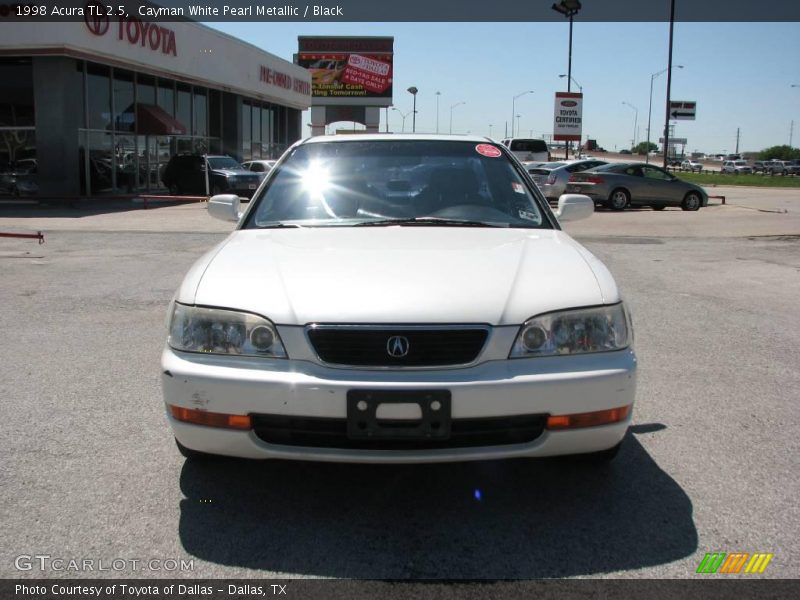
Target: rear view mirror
574,207
224,207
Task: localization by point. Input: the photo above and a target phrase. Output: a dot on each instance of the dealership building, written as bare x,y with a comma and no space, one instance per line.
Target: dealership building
99,106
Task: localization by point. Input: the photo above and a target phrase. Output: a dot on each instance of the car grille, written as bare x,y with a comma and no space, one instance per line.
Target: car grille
369,346
318,432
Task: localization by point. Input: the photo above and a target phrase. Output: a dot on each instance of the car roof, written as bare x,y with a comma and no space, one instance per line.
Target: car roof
389,137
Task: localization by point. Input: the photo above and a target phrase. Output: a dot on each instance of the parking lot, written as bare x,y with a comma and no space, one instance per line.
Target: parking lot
90,469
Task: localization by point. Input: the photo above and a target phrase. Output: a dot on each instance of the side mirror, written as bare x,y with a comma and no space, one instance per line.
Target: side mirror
224,207
574,207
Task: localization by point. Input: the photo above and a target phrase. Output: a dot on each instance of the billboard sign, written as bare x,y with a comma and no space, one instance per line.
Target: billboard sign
344,68
568,117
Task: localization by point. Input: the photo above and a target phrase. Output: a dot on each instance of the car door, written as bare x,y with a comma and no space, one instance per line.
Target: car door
661,186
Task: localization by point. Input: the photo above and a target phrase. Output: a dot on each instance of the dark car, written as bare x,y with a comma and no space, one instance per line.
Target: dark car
619,185
185,174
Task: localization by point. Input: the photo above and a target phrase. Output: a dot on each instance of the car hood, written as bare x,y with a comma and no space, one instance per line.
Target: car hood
398,275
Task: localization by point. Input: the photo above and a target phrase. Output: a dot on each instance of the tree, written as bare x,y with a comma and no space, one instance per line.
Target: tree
644,148
779,153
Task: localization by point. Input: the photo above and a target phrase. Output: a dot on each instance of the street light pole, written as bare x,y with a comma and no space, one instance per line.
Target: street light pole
403,117
518,116
490,130
451,114
413,91
635,122
568,8
514,109
650,109
580,87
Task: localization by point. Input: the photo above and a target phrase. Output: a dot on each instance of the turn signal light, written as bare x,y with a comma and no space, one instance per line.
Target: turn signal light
210,419
589,419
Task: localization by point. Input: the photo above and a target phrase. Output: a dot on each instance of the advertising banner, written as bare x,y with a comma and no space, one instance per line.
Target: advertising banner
568,117
348,67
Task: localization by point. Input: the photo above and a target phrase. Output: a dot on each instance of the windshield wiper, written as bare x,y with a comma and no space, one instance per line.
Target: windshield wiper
279,225
428,221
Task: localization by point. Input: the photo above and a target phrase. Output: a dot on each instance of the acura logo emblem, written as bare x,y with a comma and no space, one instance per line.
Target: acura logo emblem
397,346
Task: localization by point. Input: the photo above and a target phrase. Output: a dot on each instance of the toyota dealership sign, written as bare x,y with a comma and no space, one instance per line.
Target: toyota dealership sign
568,118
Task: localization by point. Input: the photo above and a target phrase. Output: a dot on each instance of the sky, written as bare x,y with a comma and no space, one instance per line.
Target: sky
740,75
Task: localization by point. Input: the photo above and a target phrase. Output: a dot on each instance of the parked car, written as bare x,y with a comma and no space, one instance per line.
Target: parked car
759,166
552,177
691,165
736,167
619,185
454,321
779,167
527,149
186,174
262,167
674,161
625,151
794,167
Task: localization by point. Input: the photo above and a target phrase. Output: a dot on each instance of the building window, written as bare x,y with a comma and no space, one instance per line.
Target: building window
124,108
215,113
246,131
200,128
183,107
146,89
99,87
166,96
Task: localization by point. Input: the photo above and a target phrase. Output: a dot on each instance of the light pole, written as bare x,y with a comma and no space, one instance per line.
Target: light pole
650,108
514,110
451,114
518,116
490,130
413,91
635,121
402,116
437,110
580,87
568,8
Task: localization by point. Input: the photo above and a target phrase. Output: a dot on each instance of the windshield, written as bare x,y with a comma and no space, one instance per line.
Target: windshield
223,162
387,182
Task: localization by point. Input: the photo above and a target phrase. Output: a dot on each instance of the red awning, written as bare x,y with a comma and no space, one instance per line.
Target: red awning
154,120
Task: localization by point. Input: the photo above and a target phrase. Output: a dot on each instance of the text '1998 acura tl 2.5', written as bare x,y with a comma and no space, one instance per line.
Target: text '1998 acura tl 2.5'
398,299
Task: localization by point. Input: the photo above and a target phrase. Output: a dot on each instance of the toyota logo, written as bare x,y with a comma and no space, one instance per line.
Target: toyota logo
397,346
96,20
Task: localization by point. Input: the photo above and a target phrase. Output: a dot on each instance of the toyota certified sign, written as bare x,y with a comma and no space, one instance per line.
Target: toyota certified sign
568,118
136,32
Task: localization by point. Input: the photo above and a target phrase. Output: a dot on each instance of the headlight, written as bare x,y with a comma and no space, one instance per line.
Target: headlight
218,331
601,329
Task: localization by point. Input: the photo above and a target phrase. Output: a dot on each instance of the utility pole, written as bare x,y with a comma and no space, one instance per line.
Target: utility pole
791,131
669,83
737,141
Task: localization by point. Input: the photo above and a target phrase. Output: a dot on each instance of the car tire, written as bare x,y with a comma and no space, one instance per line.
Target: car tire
619,199
193,455
785,173
216,189
692,201
174,189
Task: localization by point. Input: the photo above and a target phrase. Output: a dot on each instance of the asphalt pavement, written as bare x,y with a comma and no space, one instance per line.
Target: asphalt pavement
90,471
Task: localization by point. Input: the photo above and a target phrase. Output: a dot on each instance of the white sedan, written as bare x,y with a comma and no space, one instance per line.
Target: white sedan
398,299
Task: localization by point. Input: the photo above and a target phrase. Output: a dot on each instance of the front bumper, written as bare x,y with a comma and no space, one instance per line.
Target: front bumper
496,388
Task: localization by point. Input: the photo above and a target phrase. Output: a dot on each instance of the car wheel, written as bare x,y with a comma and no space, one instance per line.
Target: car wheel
692,201
193,455
216,189
174,189
661,207
784,173
619,199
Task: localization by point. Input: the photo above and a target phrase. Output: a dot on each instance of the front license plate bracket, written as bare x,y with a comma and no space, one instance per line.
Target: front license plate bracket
363,422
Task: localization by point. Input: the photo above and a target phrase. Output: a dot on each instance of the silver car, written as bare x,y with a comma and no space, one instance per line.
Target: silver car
620,185
736,167
552,177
